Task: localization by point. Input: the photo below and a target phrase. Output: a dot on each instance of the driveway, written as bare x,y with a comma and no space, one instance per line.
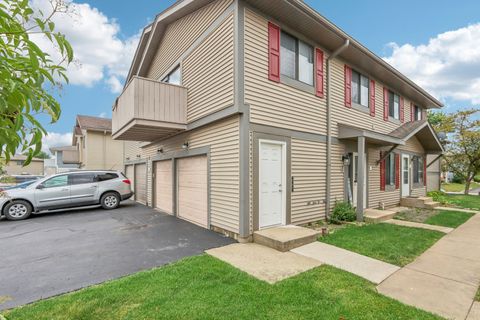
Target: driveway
56,253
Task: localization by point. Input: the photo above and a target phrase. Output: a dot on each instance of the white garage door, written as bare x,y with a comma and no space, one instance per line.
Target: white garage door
130,175
192,190
163,186
141,183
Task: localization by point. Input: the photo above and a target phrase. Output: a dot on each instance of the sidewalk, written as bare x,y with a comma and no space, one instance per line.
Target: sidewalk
445,278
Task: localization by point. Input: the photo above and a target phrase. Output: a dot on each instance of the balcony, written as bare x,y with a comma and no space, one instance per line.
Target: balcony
149,110
71,156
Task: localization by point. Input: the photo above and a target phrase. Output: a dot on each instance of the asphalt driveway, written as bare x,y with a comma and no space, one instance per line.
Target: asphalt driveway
56,253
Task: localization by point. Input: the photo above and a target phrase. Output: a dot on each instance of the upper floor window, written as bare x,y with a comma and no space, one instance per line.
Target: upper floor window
360,87
417,115
296,59
174,77
390,170
394,105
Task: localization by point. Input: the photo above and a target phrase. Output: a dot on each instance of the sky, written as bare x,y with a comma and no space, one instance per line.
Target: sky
434,42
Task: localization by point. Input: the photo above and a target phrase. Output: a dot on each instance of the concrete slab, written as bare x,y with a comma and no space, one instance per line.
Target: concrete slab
474,312
371,269
377,215
419,225
456,209
457,249
399,209
262,262
285,238
450,299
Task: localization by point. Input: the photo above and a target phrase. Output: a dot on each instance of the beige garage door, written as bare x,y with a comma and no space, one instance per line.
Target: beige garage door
192,190
163,186
141,183
130,175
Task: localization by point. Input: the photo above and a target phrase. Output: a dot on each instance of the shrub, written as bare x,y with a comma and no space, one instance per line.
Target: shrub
343,212
438,196
458,179
477,178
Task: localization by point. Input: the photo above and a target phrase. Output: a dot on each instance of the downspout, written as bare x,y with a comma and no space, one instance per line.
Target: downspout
329,128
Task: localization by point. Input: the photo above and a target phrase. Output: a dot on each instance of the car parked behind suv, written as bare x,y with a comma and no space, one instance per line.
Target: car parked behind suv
66,190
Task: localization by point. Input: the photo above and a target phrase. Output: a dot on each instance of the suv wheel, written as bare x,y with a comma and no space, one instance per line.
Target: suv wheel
110,200
17,210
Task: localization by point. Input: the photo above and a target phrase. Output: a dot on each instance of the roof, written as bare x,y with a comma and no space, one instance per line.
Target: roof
23,157
63,148
305,20
77,131
93,123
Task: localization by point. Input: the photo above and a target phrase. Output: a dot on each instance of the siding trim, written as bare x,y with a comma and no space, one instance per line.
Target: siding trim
291,133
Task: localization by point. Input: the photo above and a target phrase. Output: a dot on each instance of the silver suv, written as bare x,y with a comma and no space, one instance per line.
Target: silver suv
66,190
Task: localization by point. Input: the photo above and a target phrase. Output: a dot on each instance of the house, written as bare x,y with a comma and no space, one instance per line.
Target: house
249,114
64,159
92,147
15,166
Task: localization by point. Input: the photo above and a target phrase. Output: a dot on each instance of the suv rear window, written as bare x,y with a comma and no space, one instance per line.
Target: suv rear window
106,176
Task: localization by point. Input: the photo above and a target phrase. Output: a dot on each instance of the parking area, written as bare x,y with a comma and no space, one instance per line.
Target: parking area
55,253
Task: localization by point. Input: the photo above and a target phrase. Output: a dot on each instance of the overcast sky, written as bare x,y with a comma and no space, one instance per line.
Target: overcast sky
436,43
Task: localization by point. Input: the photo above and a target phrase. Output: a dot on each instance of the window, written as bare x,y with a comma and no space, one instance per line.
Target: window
394,105
20,162
360,87
417,169
390,170
174,77
58,181
296,59
105,176
81,178
417,113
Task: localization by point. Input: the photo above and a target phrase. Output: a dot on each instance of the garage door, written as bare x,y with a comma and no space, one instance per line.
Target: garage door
192,190
141,183
130,175
163,186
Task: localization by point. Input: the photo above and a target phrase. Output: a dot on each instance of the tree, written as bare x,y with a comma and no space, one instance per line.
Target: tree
28,76
42,155
462,146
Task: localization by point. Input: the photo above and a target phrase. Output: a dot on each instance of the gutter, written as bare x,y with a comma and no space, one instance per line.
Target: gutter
329,128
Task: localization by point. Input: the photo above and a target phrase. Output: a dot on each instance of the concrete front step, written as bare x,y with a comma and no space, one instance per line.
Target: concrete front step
377,215
285,238
418,202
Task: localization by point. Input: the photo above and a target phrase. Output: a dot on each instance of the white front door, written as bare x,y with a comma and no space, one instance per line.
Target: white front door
272,178
354,181
405,175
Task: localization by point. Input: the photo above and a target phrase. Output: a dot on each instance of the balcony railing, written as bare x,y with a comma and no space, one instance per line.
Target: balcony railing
148,110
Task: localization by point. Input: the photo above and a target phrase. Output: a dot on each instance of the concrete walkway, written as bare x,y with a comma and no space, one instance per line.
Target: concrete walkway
474,312
264,263
457,209
419,225
371,269
445,278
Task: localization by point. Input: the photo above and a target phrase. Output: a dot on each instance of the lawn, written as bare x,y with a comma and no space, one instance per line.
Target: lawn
203,287
458,187
443,218
397,245
477,297
464,201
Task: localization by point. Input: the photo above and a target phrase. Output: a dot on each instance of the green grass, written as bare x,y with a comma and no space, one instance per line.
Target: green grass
458,187
452,219
205,288
464,201
477,297
397,245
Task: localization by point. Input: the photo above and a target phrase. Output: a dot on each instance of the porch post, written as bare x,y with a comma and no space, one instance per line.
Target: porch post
360,177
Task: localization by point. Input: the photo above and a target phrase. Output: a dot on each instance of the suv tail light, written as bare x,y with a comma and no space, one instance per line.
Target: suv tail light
126,181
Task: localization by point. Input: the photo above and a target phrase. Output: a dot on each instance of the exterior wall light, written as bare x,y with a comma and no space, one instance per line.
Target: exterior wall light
346,160
160,150
185,145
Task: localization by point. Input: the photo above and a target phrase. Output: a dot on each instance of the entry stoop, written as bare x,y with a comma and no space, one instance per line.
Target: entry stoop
377,215
419,202
285,238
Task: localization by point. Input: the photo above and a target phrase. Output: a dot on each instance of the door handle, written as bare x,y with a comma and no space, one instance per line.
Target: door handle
66,189
93,187
280,188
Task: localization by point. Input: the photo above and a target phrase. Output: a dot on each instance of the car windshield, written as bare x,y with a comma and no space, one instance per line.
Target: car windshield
22,185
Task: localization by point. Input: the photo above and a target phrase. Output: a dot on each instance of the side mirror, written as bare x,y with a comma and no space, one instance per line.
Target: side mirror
40,186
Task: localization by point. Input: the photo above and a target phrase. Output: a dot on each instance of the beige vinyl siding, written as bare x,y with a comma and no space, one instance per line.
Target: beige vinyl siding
375,195
208,73
181,34
223,139
412,145
34,168
275,104
419,192
132,149
102,152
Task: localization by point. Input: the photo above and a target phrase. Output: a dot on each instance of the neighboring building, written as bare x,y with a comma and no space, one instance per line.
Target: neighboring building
15,166
92,147
65,159
434,173
248,119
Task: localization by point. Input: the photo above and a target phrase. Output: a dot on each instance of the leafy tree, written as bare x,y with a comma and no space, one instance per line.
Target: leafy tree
42,155
462,146
28,76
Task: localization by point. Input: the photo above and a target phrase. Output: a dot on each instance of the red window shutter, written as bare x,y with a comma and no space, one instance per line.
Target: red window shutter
273,52
402,111
385,104
382,173
424,171
319,73
348,86
412,112
397,171
372,98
